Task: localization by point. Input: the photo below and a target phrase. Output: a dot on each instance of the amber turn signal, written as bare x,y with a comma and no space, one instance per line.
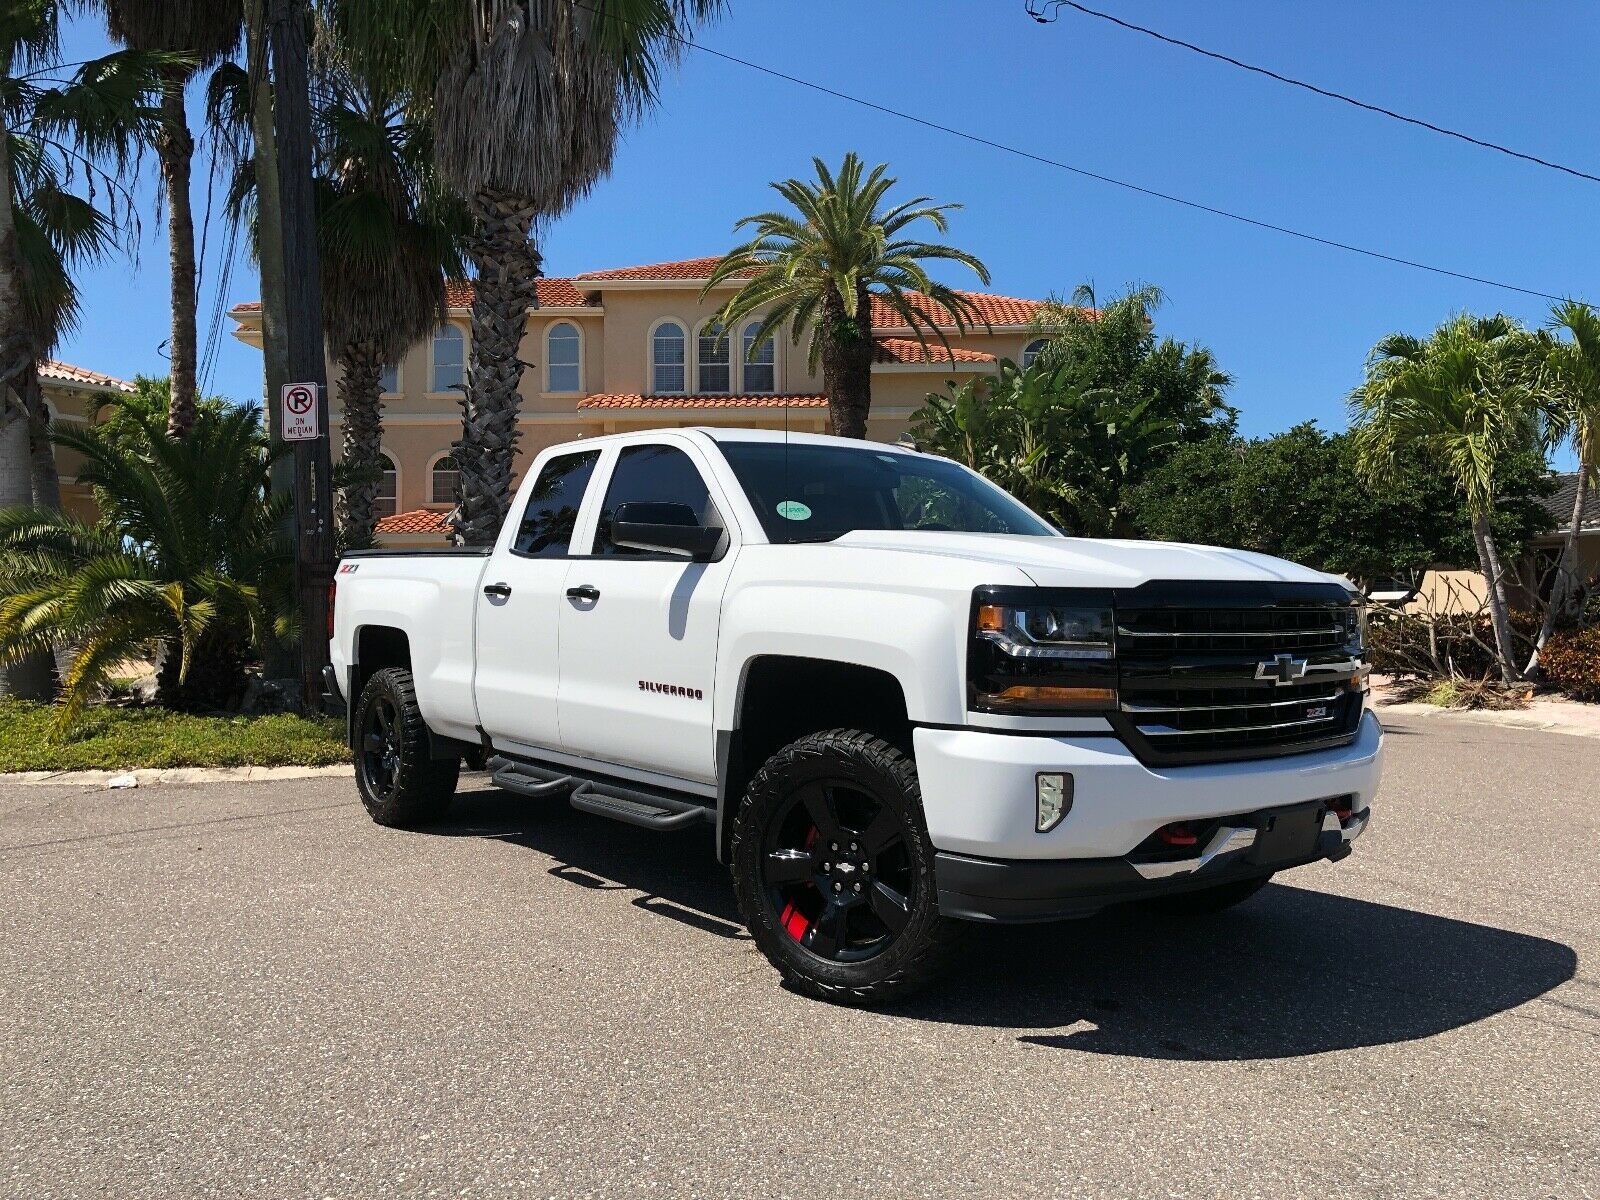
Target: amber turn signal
1063,698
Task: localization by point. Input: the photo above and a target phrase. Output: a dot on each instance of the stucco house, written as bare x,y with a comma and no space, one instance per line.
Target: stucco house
629,349
68,394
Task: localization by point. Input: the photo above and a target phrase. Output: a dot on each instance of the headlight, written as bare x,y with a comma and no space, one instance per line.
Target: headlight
1048,631
1355,628
1039,651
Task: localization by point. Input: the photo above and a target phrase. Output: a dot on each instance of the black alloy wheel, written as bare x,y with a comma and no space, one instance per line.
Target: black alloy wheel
400,780
380,748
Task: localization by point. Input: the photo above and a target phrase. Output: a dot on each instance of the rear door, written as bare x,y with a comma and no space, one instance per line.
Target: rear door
519,606
639,630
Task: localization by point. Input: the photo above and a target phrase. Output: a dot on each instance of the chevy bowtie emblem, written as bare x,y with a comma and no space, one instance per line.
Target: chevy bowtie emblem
1285,668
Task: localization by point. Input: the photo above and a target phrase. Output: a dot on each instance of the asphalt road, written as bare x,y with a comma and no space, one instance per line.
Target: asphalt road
251,990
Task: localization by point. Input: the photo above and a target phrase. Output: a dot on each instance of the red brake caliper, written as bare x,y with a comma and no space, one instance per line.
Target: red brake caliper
791,918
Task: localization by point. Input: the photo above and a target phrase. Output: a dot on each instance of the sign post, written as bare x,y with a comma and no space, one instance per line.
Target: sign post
304,409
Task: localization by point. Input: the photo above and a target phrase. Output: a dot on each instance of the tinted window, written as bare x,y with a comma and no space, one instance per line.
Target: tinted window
659,474
813,493
552,512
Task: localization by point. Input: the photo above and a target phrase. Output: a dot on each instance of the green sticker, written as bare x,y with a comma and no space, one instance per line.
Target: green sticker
793,510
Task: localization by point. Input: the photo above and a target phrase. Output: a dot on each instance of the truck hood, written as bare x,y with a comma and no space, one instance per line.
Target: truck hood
1089,562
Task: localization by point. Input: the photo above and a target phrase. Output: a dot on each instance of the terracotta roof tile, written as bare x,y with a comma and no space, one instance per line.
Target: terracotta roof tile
60,372
909,350
996,310
634,400
688,268
553,293
418,520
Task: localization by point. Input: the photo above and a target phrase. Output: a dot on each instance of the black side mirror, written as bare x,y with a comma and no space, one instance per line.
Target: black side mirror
664,529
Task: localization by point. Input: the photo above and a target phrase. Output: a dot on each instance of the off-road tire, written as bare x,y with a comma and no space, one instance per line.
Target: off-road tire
1208,901
868,765
420,787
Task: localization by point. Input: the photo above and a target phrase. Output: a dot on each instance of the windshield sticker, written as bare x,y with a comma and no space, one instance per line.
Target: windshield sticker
793,510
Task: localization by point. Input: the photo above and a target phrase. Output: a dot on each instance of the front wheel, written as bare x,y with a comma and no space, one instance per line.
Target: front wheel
399,780
833,870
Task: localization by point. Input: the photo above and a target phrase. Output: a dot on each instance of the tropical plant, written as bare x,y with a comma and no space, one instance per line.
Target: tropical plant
1570,385
185,561
1070,453
387,238
193,34
1113,347
527,99
819,268
1459,397
57,126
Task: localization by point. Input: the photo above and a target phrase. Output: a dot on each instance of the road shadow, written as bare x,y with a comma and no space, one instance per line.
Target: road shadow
1291,972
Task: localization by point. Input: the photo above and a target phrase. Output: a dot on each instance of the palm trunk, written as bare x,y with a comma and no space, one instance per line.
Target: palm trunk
34,677
507,264
176,150
847,364
1499,605
1560,584
46,478
360,366
17,352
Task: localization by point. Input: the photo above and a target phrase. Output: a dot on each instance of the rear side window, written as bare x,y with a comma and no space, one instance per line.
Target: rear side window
660,474
552,512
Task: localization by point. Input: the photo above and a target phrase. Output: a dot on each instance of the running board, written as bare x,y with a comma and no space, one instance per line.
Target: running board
632,806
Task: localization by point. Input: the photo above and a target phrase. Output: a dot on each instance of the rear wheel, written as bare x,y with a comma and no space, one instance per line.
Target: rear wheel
834,871
1209,900
400,782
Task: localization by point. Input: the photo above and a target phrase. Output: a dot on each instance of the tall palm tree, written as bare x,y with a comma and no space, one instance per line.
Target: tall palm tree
1572,380
819,267
528,98
202,32
1459,397
55,124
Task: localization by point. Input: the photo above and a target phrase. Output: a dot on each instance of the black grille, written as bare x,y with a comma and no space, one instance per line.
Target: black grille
1208,684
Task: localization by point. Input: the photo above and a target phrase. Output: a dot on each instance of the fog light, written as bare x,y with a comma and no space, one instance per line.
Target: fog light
1053,800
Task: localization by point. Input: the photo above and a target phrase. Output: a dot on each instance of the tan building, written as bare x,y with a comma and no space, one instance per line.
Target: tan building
69,392
626,349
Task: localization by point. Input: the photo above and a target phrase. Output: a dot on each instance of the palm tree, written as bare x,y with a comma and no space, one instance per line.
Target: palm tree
527,98
1572,381
820,267
185,560
202,32
1459,398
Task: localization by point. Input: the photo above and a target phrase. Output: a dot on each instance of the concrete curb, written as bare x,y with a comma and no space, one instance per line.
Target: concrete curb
148,777
1509,719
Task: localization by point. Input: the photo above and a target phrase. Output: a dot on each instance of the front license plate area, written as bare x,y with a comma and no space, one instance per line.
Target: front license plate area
1288,835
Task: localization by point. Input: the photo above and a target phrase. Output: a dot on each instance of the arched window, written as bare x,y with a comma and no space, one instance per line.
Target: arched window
449,358
760,362
1031,351
386,503
667,359
711,357
562,350
442,481
389,379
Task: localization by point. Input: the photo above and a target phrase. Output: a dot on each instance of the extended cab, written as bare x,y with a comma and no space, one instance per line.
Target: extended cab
899,699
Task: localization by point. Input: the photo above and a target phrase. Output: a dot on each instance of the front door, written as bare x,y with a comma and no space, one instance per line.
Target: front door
519,610
639,630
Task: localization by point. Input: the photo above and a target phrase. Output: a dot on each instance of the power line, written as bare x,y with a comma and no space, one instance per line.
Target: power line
1038,13
979,139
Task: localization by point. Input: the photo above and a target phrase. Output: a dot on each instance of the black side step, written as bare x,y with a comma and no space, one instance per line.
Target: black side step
648,809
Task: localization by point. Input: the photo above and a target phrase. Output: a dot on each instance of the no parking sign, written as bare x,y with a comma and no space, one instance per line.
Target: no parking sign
299,412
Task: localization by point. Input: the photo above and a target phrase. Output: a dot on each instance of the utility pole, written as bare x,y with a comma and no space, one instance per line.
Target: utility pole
313,461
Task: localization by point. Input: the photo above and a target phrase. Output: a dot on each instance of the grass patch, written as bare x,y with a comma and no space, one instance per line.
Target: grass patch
121,739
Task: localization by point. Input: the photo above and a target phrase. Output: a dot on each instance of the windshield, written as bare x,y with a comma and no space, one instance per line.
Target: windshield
804,492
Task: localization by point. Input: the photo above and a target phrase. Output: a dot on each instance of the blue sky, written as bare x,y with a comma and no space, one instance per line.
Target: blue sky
1291,321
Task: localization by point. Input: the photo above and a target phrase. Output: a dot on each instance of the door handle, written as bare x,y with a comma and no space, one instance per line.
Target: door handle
586,591
497,589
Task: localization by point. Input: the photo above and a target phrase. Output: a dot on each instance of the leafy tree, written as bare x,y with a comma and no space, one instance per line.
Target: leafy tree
527,100
1459,397
1300,495
819,267
185,560
192,34
1113,348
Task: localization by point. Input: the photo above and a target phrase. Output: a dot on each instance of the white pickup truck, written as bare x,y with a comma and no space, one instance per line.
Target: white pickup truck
902,701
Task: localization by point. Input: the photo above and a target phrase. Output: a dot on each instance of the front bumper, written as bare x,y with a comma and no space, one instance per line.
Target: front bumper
978,793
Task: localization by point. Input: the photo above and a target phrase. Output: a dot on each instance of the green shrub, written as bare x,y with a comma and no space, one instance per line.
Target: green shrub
1572,662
